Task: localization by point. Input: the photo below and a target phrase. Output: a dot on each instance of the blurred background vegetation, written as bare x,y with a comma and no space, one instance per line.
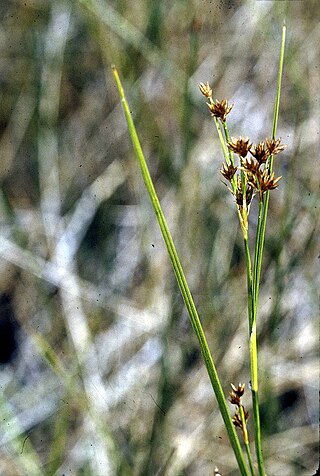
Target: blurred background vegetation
100,371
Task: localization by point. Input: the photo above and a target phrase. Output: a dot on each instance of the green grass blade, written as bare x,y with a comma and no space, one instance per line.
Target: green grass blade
184,288
277,103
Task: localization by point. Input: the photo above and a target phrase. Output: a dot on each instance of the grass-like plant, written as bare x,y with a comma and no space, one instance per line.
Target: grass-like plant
251,176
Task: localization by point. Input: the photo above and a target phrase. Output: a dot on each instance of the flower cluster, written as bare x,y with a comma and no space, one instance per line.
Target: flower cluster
257,175
236,420
236,394
241,416
254,174
218,109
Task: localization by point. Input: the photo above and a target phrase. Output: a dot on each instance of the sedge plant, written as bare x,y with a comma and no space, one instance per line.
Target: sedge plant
249,175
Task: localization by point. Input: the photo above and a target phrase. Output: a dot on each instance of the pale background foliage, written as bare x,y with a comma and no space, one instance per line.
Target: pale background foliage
82,262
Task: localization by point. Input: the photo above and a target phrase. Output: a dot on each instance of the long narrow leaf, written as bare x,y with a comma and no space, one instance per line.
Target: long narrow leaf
184,288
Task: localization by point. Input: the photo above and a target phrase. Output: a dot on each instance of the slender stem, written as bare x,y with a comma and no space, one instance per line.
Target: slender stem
249,282
263,210
244,203
228,154
248,451
257,432
222,141
280,71
227,136
246,439
254,381
259,245
253,342
257,250
184,288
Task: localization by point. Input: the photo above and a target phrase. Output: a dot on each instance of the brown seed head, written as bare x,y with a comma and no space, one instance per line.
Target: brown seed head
274,146
249,194
239,195
268,182
250,164
220,109
205,89
240,146
228,171
260,152
236,420
238,390
253,179
234,399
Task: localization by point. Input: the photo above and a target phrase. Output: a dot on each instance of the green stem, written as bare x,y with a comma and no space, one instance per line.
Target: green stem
185,291
259,245
249,282
246,439
247,447
280,71
227,136
222,141
258,249
228,154
253,349
264,205
257,432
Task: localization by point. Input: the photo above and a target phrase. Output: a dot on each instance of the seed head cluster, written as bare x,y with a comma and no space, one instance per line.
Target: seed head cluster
205,90
253,174
236,394
218,109
240,146
235,399
257,175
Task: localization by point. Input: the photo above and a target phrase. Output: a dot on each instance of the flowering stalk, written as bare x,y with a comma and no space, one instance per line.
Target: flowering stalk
242,413
274,148
253,176
240,419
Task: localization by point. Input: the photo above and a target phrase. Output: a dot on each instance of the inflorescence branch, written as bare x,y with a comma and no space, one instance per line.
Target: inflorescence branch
252,173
